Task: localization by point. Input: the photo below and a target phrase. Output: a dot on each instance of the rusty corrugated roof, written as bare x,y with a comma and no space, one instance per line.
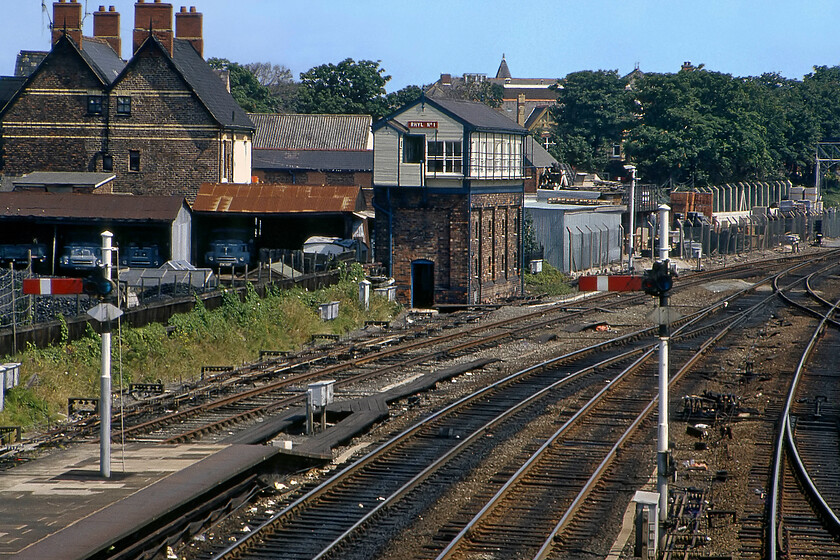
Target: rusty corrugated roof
89,206
263,198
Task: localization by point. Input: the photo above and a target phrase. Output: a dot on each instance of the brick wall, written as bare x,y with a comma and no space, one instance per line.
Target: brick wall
45,131
445,229
495,244
177,140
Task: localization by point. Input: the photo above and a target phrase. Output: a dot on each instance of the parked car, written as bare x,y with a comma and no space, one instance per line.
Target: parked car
81,256
140,256
229,251
20,253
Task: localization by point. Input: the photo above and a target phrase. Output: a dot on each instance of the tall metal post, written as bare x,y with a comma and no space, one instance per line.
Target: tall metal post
105,379
631,206
664,341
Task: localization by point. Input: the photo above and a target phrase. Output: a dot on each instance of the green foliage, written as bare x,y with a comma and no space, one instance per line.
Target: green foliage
251,95
701,127
233,333
550,282
348,87
697,126
593,110
490,94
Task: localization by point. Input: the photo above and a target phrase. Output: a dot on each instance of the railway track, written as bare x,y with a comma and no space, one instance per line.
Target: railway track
804,509
362,489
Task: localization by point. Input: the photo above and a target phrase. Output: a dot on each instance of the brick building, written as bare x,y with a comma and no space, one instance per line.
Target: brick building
448,185
163,122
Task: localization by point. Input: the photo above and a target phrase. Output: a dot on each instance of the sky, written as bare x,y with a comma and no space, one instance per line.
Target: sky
417,41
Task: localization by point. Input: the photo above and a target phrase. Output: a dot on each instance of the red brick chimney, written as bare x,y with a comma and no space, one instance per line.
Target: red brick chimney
156,16
106,25
67,17
188,25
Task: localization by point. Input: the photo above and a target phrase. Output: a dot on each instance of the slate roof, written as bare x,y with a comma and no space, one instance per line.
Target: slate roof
208,86
476,115
503,71
45,205
312,132
536,155
535,115
259,198
8,88
314,160
76,179
102,59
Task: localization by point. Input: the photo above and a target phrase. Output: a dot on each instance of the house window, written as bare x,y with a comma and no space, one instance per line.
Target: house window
107,162
444,157
413,149
123,105
616,151
94,104
133,160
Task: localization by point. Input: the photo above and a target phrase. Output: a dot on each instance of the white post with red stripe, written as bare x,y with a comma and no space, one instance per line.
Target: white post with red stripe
52,286
614,283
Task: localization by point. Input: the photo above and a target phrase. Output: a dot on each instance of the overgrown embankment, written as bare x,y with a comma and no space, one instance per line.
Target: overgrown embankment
233,334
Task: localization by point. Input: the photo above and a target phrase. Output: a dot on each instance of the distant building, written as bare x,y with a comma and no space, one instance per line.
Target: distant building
163,122
524,101
448,179
302,149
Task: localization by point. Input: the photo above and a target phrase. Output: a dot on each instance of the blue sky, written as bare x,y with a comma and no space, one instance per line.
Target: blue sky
417,41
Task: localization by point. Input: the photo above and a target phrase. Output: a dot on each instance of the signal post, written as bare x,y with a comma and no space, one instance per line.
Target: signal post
657,281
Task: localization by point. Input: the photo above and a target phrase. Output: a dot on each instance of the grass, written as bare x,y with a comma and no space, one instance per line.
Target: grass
233,334
549,282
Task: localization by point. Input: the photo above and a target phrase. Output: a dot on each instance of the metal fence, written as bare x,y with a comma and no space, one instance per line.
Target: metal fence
752,233
592,247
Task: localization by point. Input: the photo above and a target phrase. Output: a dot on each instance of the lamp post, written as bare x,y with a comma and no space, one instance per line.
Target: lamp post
631,206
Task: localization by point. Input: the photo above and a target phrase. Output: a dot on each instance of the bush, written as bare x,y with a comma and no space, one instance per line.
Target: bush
549,282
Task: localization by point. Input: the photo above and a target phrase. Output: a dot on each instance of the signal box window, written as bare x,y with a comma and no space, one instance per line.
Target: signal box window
413,149
444,157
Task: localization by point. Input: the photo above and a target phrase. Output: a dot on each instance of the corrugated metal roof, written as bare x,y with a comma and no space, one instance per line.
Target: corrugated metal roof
312,132
258,198
316,160
26,204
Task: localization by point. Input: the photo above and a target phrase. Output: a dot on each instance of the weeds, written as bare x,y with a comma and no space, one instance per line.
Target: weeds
230,335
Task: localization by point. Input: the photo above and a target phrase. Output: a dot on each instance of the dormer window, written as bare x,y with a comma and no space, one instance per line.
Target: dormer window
94,104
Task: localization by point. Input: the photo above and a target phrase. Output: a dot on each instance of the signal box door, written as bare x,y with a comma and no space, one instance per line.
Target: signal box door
422,284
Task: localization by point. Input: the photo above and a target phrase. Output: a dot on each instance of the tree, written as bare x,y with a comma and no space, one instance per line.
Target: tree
347,87
402,97
593,111
251,95
279,81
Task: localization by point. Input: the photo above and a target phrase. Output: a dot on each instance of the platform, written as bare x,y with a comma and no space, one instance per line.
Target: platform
58,507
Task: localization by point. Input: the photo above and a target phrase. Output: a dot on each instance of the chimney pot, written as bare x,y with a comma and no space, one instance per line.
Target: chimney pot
106,25
183,9
67,18
112,9
156,17
188,26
